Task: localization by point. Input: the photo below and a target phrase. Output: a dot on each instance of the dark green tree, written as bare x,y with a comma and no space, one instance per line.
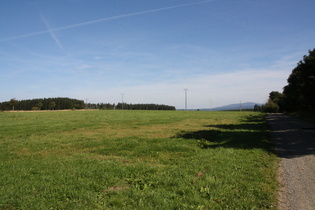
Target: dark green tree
43,104
300,91
279,99
39,105
52,105
13,102
257,108
271,107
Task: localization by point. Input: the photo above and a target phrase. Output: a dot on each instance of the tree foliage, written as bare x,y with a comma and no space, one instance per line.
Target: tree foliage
44,104
300,91
13,102
67,103
144,106
276,103
271,107
126,106
299,94
257,108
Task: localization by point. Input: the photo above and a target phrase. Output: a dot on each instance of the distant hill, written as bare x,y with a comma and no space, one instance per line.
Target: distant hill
243,106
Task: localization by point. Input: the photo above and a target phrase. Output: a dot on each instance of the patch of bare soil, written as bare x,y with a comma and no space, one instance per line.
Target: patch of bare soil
295,145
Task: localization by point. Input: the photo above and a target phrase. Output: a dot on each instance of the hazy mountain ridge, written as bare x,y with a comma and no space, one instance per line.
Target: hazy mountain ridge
243,106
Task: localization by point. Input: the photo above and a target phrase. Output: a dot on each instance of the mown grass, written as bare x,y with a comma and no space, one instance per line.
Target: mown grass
136,160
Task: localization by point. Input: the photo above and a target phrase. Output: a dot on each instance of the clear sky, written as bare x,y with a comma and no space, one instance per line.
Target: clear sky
222,51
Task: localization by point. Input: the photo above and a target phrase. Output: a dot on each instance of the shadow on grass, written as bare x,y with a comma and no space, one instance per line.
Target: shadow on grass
251,133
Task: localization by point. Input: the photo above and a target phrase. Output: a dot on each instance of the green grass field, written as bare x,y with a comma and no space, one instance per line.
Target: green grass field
136,160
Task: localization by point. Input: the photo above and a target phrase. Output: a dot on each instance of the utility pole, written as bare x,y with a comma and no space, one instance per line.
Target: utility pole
185,98
122,101
86,103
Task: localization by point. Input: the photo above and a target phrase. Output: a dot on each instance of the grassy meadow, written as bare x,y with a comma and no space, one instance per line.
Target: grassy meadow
136,160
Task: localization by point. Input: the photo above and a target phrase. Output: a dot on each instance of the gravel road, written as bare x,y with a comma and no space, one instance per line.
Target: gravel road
295,145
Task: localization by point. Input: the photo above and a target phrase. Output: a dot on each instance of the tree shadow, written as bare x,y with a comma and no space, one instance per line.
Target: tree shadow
294,146
292,137
251,133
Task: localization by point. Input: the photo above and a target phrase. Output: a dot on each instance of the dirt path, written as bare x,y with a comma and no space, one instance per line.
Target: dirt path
295,145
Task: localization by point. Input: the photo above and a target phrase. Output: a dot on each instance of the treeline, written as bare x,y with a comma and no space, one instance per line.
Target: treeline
101,106
144,106
43,104
67,103
299,94
125,106
260,108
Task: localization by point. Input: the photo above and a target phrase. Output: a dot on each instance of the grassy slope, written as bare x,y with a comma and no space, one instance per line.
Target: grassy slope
135,159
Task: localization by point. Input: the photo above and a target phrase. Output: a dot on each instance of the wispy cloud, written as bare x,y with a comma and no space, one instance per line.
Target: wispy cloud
219,89
51,30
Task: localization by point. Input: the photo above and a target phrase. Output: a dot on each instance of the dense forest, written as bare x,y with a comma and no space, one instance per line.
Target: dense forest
43,104
144,106
125,106
299,94
67,103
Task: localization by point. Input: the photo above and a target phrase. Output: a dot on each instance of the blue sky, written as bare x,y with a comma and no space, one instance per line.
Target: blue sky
222,51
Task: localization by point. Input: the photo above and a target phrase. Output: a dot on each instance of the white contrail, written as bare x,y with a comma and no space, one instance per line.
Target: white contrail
102,20
53,36
44,20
